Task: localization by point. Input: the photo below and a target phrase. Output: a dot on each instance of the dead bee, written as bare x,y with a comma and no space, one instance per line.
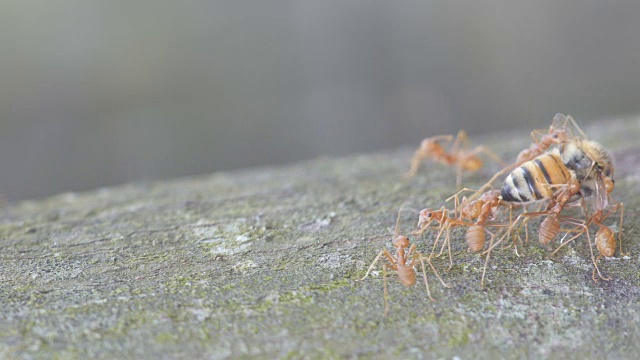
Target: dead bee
561,131
537,179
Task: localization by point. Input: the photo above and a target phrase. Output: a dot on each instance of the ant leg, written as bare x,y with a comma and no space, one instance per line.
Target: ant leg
461,139
595,262
620,229
444,138
563,243
411,250
389,257
507,233
372,265
448,240
485,150
455,196
415,163
457,209
486,260
491,246
436,273
593,272
457,205
424,275
526,222
459,176
526,232
435,242
386,293
541,133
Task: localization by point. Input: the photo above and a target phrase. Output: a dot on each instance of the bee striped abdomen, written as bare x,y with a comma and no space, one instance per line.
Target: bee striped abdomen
536,179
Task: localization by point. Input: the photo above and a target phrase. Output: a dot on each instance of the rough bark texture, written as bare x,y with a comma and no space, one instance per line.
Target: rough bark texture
266,262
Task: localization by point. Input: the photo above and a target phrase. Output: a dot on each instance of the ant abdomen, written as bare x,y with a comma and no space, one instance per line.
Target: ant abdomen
606,241
406,275
549,228
475,238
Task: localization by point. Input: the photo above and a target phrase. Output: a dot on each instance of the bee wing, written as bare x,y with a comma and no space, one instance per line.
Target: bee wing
559,121
601,197
566,123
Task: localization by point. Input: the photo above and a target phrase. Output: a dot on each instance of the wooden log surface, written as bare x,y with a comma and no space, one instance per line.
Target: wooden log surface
265,262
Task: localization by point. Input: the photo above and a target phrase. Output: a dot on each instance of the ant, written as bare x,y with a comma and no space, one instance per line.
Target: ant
457,155
605,237
605,240
481,210
403,263
427,216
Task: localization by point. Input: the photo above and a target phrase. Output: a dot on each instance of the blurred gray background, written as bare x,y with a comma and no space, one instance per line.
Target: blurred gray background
102,92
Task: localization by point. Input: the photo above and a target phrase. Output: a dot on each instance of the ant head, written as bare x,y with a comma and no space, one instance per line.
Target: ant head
490,195
560,136
401,242
425,218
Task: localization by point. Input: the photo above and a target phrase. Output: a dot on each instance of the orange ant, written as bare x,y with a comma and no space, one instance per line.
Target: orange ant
427,216
466,210
605,240
605,236
481,210
458,155
403,263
